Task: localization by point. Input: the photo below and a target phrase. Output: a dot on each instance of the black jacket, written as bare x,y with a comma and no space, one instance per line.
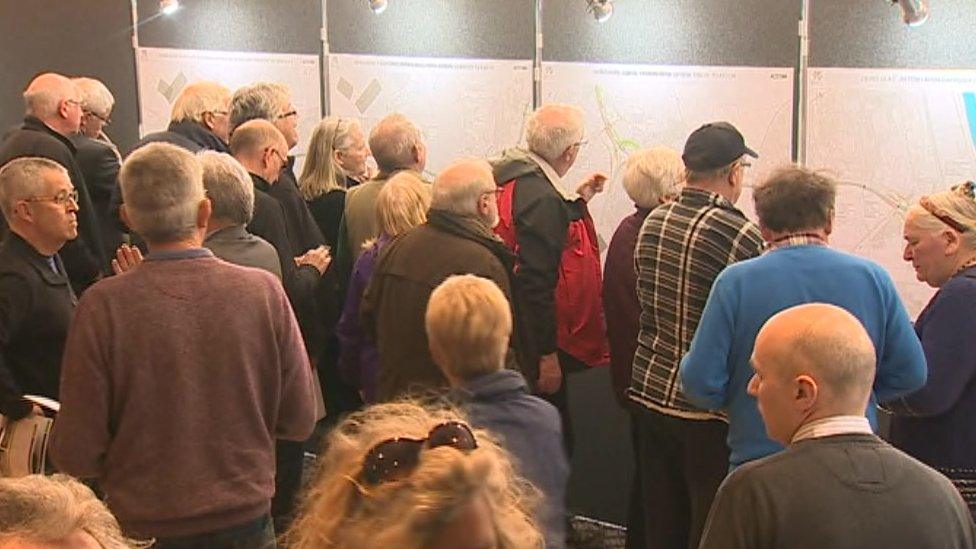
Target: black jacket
36,307
83,256
100,163
303,232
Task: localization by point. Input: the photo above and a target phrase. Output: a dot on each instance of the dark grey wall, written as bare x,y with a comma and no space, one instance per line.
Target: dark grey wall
493,29
76,38
848,33
675,32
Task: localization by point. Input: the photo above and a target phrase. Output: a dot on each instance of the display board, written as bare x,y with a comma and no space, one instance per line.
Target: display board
629,107
463,107
164,72
891,136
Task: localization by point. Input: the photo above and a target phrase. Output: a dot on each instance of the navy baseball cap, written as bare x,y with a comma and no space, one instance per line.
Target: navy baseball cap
713,146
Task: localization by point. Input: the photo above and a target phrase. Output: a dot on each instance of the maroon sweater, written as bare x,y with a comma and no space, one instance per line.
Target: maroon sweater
177,379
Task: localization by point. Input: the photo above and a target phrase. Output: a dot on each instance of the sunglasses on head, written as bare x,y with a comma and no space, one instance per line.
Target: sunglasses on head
396,458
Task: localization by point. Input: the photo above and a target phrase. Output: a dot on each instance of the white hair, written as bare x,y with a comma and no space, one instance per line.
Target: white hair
652,175
162,187
264,100
199,98
228,186
553,128
44,94
393,141
95,97
22,178
955,204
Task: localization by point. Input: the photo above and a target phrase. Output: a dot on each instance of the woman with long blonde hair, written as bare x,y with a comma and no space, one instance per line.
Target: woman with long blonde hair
336,160
413,477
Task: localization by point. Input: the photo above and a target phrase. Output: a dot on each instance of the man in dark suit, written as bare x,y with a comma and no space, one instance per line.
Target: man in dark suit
53,112
36,301
98,157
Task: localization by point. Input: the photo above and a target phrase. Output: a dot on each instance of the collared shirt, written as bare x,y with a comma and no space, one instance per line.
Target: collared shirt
189,253
830,426
797,239
682,248
552,176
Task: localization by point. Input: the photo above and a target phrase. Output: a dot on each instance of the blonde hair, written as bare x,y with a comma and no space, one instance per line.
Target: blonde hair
652,175
339,512
957,204
47,509
469,321
402,204
199,98
322,173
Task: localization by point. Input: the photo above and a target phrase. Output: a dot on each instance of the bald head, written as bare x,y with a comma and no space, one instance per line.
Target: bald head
812,361
396,144
466,187
260,147
55,100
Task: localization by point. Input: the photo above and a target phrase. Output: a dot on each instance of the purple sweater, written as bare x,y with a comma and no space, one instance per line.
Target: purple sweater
359,360
177,379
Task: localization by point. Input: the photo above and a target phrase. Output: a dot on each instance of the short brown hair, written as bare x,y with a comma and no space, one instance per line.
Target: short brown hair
795,199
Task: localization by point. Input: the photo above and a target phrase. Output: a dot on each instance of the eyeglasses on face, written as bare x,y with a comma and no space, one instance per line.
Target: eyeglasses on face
290,113
396,458
106,120
63,198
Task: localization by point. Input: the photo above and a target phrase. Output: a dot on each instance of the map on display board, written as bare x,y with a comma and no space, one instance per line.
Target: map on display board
463,107
629,107
890,136
164,72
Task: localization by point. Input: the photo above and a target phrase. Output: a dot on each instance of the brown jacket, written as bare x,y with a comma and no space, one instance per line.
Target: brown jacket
395,301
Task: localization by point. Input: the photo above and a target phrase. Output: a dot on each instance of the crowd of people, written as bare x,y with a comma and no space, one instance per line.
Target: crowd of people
200,312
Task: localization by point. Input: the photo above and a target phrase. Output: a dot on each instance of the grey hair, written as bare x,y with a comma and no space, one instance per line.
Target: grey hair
393,141
162,187
460,196
553,128
197,99
47,509
21,178
228,186
95,97
264,100
652,175
954,204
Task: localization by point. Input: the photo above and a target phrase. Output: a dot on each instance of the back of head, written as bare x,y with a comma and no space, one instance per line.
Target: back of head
228,187
553,128
264,100
832,346
956,205
402,204
321,172
393,142
653,175
44,96
252,137
51,509
162,187
795,199
712,151
95,97
342,510
468,324
23,178
199,98
459,186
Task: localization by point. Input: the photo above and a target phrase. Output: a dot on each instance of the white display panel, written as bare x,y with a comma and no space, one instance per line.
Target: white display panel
164,72
629,107
891,136
463,107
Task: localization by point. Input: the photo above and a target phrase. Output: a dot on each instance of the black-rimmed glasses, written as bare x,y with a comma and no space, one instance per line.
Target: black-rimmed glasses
106,120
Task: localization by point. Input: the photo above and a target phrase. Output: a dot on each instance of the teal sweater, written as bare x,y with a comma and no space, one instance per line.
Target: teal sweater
716,369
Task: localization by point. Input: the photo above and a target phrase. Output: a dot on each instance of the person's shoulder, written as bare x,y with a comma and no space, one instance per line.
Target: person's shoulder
959,286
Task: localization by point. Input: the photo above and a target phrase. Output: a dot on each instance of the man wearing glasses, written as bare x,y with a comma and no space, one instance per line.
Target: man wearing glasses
682,248
54,112
36,301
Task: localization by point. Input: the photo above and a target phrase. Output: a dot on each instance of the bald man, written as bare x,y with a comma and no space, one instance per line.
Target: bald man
456,239
836,485
53,111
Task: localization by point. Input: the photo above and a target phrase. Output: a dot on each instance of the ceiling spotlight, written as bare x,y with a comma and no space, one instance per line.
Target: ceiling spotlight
378,6
168,7
601,9
913,12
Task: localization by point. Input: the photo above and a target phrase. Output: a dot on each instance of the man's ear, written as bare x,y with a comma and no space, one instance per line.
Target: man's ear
807,392
208,120
203,213
124,215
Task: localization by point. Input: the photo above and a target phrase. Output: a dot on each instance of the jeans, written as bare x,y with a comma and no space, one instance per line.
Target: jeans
253,534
